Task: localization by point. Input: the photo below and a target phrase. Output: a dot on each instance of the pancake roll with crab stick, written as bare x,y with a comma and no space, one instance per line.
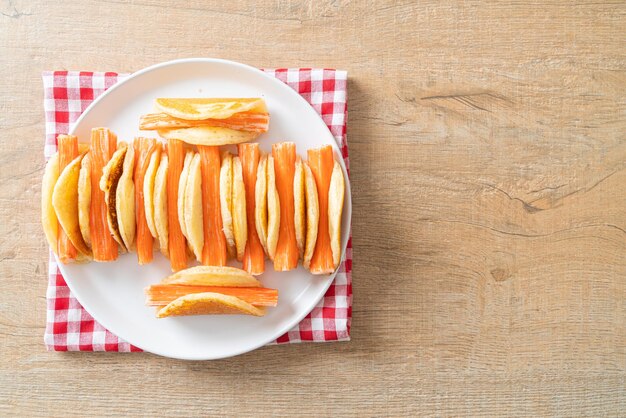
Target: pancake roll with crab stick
254,255
323,254
147,151
286,254
208,121
210,290
177,245
60,201
104,245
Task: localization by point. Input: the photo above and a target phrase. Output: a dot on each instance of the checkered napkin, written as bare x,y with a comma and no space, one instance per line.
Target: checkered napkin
70,328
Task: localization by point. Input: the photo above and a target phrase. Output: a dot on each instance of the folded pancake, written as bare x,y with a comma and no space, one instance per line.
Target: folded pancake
240,222
273,209
111,174
148,191
335,207
213,276
182,184
204,290
209,108
160,205
192,203
49,219
260,197
299,203
65,203
208,135
254,254
330,191
125,201
67,146
226,201
84,198
212,121
209,304
312,215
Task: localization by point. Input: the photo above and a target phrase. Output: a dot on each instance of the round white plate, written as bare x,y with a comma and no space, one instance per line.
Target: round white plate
113,293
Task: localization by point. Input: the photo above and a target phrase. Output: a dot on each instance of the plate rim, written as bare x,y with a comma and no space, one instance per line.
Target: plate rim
347,208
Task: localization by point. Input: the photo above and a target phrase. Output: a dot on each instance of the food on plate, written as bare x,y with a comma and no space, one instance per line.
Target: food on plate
207,290
68,150
48,215
162,294
299,203
213,276
209,108
125,205
103,145
176,243
226,201
209,205
312,215
59,201
160,205
214,252
286,255
267,210
242,121
233,205
192,208
260,199
208,135
65,201
240,223
182,185
148,190
330,190
84,198
336,193
209,303
192,198
208,121
273,208
254,256
144,149
109,181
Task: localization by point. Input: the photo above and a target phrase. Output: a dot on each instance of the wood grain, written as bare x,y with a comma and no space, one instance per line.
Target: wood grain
488,152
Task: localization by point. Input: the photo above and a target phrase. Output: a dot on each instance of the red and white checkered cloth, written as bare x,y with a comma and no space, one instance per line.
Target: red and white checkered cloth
70,328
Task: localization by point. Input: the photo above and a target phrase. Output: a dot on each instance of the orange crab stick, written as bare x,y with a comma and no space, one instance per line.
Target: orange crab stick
321,162
214,252
177,244
68,150
243,121
103,145
254,256
162,294
144,147
286,257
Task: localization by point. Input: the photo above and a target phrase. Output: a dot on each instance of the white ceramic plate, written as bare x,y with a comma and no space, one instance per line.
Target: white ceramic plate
113,293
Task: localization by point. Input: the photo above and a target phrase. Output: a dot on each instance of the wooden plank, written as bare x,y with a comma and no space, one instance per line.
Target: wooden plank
488,169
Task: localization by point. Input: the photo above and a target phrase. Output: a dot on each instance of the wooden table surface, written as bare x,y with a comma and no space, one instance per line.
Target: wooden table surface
488,151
